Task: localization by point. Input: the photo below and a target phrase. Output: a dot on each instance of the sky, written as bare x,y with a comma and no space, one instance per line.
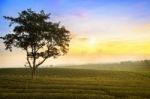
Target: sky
101,30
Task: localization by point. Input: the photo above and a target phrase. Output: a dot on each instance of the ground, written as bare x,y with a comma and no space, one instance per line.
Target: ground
69,83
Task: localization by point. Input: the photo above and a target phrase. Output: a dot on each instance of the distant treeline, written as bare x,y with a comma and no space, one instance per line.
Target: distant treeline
141,62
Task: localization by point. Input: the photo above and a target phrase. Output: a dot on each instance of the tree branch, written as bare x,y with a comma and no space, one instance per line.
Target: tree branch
28,59
41,62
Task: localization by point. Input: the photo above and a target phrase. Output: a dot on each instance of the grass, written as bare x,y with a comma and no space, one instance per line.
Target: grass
68,83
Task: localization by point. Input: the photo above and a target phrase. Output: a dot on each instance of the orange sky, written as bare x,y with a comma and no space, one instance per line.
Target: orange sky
88,50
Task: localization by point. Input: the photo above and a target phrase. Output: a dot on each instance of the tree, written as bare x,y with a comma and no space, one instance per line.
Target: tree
39,37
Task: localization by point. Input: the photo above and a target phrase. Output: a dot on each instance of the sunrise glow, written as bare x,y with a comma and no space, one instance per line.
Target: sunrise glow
110,31
92,41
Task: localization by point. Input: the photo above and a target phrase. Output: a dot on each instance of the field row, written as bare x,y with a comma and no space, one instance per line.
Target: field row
57,86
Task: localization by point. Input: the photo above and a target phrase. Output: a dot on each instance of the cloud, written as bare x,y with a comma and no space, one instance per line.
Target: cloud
83,39
81,14
142,28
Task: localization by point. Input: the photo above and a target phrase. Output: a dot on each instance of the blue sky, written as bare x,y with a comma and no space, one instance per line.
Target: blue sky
132,10
137,10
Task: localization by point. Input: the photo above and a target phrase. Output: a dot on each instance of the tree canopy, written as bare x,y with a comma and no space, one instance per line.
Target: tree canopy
38,36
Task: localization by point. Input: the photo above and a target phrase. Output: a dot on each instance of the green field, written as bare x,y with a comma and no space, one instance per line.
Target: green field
69,83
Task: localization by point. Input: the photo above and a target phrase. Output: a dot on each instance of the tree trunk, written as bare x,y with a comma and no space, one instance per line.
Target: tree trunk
33,73
34,67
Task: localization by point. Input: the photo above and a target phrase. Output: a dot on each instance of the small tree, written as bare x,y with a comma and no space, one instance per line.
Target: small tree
40,38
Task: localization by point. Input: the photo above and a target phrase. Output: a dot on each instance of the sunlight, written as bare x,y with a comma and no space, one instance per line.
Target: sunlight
92,47
92,41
